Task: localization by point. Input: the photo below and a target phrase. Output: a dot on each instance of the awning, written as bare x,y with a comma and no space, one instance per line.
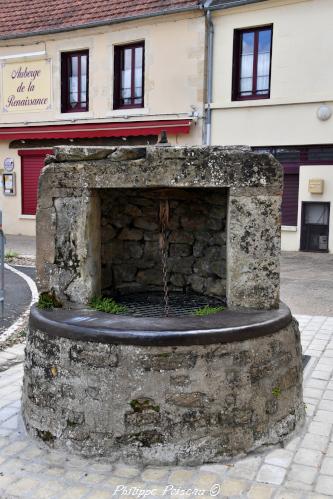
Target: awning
94,130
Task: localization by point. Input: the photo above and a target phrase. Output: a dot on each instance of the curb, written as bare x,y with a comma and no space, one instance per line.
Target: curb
19,323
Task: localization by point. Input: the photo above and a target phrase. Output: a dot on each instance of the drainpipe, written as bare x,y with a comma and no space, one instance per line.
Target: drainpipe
209,77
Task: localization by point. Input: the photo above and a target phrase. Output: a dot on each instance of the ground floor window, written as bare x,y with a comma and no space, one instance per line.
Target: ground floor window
32,162
315,226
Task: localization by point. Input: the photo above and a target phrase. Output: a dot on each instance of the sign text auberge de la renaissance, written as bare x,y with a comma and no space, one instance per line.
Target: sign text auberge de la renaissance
26,86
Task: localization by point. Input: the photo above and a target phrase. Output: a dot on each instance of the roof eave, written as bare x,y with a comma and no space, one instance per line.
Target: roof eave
96,24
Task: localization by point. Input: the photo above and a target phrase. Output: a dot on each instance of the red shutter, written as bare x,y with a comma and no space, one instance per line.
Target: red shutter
290,199
32,163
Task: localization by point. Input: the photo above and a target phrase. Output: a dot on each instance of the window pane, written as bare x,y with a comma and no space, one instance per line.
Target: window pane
74,81
264,62
139,57
316,214
83,96
248,43
265,38
263,74
246,69
138,75
126,76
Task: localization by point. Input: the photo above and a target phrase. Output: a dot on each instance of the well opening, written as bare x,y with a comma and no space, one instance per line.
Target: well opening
158,240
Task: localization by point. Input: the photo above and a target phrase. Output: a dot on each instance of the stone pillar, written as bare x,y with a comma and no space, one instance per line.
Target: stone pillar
253,249
69,246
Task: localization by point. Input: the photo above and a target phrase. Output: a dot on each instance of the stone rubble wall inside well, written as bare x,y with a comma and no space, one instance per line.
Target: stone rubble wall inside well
130,246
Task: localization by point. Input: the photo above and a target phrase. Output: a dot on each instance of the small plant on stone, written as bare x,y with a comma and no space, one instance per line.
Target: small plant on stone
276,392
107,305
207,310
10,255
47,301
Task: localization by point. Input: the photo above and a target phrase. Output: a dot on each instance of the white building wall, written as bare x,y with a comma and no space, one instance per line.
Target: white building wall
301,81
301,75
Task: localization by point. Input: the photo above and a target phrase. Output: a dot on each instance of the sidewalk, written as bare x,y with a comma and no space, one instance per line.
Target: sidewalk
22,245
301,470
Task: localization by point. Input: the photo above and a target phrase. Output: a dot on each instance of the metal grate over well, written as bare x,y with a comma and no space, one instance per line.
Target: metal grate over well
180,304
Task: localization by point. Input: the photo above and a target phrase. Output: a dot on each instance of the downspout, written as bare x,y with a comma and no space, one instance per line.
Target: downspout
209,77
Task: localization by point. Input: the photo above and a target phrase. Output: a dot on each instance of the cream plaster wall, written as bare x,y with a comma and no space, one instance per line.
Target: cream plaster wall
289,239
301,75
174,84
174,77
13,220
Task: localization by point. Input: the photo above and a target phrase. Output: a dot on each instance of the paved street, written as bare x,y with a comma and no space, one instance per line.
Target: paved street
307,282
17,299
301,470
23,245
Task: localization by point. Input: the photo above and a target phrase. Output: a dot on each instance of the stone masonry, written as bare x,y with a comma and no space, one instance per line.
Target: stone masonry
74,186
161,390
131,258
176,405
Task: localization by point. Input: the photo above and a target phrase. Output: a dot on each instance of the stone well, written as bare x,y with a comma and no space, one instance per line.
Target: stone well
157,385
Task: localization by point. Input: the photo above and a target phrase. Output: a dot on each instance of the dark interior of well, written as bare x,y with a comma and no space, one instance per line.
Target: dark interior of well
194,240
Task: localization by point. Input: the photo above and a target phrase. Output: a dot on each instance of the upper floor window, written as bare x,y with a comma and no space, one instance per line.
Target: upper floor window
128,76
252,63
74,81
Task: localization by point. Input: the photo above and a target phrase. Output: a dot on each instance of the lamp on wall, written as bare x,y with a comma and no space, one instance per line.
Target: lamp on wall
324,112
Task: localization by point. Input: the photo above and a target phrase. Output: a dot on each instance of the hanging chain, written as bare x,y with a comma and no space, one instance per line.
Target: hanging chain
164,220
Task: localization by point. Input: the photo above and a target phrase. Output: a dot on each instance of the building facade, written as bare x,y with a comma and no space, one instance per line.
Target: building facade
223,72
94,77
272,90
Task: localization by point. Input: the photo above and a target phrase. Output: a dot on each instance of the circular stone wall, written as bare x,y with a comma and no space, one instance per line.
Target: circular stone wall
187,404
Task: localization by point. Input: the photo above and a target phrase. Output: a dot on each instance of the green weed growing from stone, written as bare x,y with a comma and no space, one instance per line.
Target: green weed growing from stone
48,301
107,305
207,310
10,255
276,392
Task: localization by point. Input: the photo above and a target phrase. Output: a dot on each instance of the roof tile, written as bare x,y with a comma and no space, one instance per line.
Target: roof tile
37,16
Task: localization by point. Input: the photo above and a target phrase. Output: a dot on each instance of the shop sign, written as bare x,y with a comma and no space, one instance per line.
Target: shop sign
26,86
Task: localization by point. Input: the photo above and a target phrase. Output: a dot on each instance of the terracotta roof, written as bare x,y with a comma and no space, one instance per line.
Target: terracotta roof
27,17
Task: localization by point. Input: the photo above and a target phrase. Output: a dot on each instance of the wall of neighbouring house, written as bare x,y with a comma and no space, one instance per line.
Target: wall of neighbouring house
301,77
300,80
